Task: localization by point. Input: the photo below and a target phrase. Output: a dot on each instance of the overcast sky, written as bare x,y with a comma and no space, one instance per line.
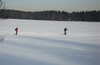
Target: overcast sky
62,5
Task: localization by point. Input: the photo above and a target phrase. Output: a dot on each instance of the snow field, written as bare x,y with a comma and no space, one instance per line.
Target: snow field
43,43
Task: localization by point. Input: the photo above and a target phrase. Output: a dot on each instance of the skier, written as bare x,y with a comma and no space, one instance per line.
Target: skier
16,29
65,30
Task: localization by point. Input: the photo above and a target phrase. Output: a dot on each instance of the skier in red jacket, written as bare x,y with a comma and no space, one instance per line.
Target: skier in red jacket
65,30
16,29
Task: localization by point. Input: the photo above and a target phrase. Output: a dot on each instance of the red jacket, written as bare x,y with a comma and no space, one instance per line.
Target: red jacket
65,29
16,29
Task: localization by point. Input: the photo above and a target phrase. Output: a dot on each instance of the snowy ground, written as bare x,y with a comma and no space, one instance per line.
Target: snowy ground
43,43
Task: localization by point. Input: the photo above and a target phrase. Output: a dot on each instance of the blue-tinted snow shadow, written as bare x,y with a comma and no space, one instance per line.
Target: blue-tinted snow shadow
61,41
90,56
6,59
77,56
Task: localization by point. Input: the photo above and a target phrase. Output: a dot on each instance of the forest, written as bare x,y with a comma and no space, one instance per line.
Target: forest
52,15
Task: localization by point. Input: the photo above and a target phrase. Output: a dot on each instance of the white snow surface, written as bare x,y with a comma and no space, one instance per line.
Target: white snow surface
42,43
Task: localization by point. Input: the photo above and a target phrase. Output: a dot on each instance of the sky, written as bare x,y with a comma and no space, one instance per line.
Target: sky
59,5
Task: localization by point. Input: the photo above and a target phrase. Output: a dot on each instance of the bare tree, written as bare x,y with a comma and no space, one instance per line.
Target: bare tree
1,3
2,8
2,38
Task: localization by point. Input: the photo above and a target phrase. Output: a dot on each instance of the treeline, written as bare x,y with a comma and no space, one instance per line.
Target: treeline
52,15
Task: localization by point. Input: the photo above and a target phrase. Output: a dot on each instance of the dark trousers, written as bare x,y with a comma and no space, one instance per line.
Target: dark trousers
65,33
16,33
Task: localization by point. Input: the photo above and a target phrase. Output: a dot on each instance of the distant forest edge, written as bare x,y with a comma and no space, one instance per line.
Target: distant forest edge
52,15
